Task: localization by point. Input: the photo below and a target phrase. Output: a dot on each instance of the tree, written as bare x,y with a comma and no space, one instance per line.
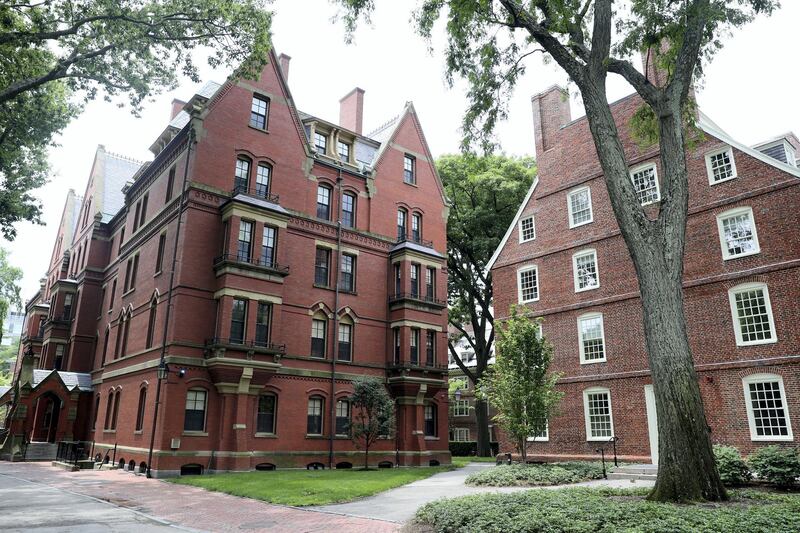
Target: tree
373,414
488,43
56,54
9,287
485,193
518,384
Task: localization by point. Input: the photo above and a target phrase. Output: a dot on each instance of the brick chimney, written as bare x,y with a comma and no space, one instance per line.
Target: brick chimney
650,58
283,60
550,112
177,106
351,110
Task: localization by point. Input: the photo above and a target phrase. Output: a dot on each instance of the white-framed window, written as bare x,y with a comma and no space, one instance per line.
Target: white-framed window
527,229
597,413
767,412
720,165
591,338
544,436
461,434
737,233
586,276
579,206
528,284
460,407
752,314
645,183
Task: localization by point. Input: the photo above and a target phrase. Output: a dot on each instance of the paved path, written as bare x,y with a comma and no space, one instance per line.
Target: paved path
401,503
37,496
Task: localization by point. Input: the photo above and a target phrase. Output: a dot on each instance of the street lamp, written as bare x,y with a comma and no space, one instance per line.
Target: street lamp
457,394
163,370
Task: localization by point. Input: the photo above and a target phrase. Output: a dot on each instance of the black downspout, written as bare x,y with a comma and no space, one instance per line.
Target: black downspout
162,359
335,343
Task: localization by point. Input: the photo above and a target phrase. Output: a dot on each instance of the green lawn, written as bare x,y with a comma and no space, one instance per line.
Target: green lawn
583,510
310,487
464,461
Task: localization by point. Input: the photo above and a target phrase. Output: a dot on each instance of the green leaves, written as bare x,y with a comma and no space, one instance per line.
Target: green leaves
9,286
373,411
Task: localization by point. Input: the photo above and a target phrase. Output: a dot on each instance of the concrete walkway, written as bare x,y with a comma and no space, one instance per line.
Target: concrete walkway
400,504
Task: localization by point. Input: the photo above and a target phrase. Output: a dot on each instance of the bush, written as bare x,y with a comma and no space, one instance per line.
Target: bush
732,468
585,510
468,448
534,475
777,465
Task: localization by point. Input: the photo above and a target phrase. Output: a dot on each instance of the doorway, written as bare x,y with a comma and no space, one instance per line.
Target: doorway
652,422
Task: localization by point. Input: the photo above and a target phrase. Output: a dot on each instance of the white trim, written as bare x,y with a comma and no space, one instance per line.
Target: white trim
586,393
763,378
721,231
519,229
710,170
708,126
641,168
457,408
520,271
581,350
572,224
575,256
735,315
464,430
511,226
788,149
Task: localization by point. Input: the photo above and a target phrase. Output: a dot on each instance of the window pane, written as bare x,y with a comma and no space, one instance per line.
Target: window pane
769,413
265,421
592,338
344,151
599,415
314,421
646,185
751,308
242,175
528,229
739,238
320,142
323,202
721,166
586,271
580,207
268,246
263,174
529,285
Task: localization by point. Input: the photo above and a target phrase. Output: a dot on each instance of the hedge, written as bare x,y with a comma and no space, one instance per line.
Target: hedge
470,448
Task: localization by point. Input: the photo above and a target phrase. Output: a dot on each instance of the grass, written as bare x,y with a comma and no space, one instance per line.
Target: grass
464,461
584,510
310,487
536,475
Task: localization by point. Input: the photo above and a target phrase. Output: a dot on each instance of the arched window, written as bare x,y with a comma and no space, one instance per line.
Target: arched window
116,410
319,328
349,210
431,420
263,175
125,330
140,408
242,176
195,414
267,411
416,227
109,410
151,323
324,202
345,347
96,411
402,216
120,330
314,421
105,346
343,418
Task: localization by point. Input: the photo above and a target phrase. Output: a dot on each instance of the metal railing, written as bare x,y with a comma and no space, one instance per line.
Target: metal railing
602,451
403,365
416,296
259,345
255,261
255,192
415,240
73,451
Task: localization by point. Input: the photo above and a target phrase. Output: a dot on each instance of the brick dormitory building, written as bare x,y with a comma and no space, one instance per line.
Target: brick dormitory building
223,259
564,259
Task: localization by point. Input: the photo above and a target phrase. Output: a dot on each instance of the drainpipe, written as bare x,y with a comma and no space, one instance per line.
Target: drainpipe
335,343
162,359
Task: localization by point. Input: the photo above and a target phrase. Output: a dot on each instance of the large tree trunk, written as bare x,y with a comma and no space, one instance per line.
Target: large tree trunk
482,421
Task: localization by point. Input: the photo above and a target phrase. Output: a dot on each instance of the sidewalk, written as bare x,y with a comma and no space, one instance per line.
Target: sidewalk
149,505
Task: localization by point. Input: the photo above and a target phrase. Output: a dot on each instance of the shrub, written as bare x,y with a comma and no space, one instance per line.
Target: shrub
533,475
733,470
777,465
468,448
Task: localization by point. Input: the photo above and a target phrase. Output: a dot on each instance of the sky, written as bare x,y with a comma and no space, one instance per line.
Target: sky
748,90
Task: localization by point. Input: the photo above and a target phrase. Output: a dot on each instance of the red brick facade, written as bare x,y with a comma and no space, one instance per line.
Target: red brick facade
223,363
567,162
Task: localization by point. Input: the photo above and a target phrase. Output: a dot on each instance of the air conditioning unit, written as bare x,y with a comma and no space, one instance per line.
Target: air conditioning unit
175,444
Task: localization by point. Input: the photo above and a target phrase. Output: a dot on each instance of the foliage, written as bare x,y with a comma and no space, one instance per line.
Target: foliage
8,354
484,194
518,384
470,448
373,413
533,475
733,470
455,384
776,464
9,285
310,487
584,510
56,54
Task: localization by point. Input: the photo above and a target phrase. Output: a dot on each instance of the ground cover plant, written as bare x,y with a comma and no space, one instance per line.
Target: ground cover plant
585,510
534,475
310,487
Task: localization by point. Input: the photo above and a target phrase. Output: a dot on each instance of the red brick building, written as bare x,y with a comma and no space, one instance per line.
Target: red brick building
565,260
267,257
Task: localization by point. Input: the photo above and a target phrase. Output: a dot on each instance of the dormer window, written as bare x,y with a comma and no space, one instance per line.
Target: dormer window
320,142
780,150
258,112
344,151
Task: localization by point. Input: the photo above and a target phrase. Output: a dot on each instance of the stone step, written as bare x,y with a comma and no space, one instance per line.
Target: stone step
625,475
636,469
41,451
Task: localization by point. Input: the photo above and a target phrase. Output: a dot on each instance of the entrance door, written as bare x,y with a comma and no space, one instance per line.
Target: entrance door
652,421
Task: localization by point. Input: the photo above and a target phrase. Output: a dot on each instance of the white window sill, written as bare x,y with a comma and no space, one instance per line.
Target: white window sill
737,256
756,343
781,438
578,225
587,288
712,182
600,439
194,434
593,361
266,435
